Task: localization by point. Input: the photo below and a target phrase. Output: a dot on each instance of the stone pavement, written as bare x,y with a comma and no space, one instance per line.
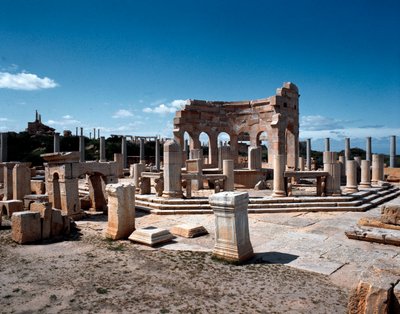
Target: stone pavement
310,241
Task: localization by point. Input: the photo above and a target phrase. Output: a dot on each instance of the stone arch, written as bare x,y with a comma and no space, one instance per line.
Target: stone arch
224,139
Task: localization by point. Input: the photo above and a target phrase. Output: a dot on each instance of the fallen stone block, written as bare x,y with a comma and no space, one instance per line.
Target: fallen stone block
45,211
376,223
26,227
390,214
151,236
384,236
189,230
11,206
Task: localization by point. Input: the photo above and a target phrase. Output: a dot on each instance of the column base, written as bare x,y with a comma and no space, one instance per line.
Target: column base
173,194
351,189
279,194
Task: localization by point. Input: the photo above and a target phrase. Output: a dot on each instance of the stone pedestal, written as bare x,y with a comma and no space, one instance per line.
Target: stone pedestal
232,239
254,157
227,170
332,166
279,181
377,169
21,181
365,174
151,236
26,227
172,170
351,176
121,211
137,173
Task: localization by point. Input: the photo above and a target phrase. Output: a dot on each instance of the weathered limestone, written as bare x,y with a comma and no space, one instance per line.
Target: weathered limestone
102,149
347,148
254,157
227,170
26,227
172,170
3,147
151,236
8,180
11,206
120,165
368,150
56,146
142,159
332,166
301,163
365,174
232,239
121,211
224,152
38,187
196,153
327,144
377,169
21,181
45,211
124,152
308,154
390,214
157,152
342,162
137,173
279,181
392,163
195,167
189,230
351,176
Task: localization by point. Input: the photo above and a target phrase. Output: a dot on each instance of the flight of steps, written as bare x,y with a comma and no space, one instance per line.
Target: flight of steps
360,201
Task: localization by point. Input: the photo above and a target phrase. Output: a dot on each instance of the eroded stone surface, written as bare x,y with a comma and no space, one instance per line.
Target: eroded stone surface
151,236
26,227
390,214
189,230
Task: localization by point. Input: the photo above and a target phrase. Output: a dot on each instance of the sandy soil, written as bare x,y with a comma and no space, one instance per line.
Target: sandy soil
88,274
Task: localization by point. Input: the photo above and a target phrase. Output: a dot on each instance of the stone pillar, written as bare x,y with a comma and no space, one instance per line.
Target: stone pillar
308,154
392,162
279,182
227,170
120,168
342,162
121,211
3,147
21,181
8,180
172,170
56,143
327,144
377,169
332,166
232,238
254,156
103,149
137,173
142,158
301,163
157,152
224,152
124,152
351,176
368,150
365,174
82,147
347,148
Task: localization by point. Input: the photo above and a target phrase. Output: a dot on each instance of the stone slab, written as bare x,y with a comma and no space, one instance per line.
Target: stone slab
151,236
384,236
26,227
189,230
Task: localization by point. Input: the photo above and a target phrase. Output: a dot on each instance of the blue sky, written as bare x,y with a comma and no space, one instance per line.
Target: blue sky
125,66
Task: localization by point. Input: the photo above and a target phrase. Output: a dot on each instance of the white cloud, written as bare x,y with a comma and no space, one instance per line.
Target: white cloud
67,117
171,107
66,120
122,113
317,122
4,119
25,81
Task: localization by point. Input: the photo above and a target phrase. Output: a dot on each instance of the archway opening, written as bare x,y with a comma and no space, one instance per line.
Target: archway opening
97,192
205,145
262,141
186,144
243,149
56,191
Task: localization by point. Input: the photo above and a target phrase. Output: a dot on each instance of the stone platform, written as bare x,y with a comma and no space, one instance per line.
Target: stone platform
361,201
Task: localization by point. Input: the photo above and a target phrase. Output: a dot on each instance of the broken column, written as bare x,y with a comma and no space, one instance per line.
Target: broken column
56,143
368,150
332,166
351,176
142,158
308,154
123,152
227,170
103,149
254,156
347,148
157,152
377,169
82,147
121,211
232,239
392,162
279,181
172,169
21,181
365,174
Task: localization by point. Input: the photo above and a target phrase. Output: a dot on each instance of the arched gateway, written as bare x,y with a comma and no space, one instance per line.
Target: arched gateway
277,115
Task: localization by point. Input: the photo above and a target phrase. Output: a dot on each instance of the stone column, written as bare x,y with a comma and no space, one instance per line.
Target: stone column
56,143
327,144
351,176
21,181
121,211
365,174
232,238
8,180
308,154
224,152
103,149
392,162
254,156
332,166
82,147
137,173
358,162
3,147
279,182
347,148
119,165
157,152
377,169
227,170
142,158
342,162
124,152
172,170
301,163
368,150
